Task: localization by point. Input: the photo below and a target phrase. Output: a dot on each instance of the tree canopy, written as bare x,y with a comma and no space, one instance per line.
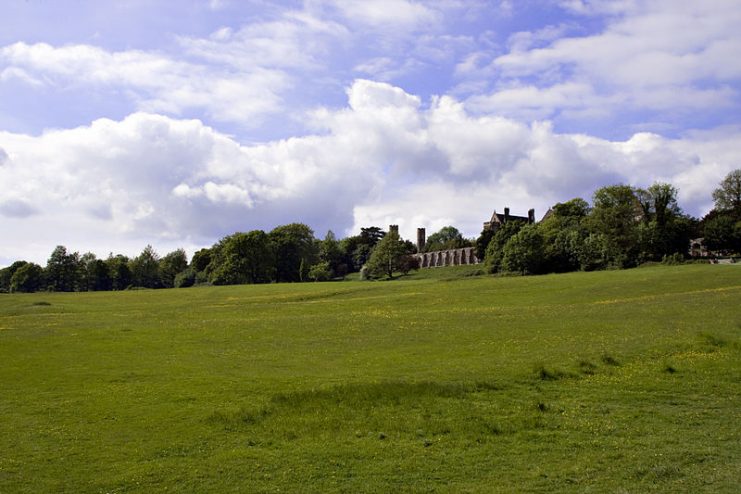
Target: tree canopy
727,196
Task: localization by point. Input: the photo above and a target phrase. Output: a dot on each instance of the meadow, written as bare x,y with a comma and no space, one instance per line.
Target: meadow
619,381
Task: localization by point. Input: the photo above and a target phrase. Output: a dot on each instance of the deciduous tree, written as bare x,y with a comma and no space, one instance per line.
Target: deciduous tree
295,251
27,279
387,256
727,196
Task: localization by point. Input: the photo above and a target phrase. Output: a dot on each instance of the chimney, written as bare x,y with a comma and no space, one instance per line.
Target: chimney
506,215
531,216
421,239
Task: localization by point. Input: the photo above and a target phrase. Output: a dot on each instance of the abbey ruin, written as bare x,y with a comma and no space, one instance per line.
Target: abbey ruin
464,255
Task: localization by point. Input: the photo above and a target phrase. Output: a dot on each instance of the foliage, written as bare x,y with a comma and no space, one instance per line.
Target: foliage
371,235
28,278
722,233
495,249
201,259
119,271
727,196
186,278
97,275
523,253
243,258
7,273
616,214
408,263
482,242
320,272
145,269
593,253
625,227
387,256
63,270
295,251
357,249
448,237
330,252
171,265
564,232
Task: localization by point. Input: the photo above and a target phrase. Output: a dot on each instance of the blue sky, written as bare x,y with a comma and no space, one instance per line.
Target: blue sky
173,123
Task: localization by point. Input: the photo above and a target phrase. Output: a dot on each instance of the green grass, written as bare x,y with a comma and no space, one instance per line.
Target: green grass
623,381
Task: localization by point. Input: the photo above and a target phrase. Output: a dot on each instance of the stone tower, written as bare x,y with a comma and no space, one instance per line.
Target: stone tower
421,239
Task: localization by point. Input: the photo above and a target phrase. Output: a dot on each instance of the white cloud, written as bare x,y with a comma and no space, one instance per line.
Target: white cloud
386,14
532,103
295,40
155,82
384,158
656,55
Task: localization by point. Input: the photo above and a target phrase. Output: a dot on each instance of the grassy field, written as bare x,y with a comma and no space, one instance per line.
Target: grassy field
623,381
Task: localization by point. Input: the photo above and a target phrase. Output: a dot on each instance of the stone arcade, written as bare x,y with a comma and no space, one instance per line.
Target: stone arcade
465,255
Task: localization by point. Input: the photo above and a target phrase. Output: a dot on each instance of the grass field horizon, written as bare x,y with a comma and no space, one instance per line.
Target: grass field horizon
618,381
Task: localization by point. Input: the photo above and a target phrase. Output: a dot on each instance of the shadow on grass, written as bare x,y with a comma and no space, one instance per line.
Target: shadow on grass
354,397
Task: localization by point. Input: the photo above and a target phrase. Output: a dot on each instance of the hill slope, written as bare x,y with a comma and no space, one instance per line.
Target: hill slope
612,381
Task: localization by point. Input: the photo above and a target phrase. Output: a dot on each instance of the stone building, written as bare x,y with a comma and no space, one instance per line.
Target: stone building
498,220
465,255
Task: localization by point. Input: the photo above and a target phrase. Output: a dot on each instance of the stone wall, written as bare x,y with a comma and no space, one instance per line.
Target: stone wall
454,257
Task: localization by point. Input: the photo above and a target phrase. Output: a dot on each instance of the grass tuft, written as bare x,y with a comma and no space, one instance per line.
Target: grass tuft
659,473
713,341
551,374
608,359
234,418
586,367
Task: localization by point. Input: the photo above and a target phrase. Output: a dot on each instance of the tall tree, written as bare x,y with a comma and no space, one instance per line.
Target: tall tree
564,234
63,270
495,249
727,196
119,271
28,278
664,230
523,252
616,215
330,253
201,260
722,233
145,269
448,237
6,274
295,251
387,256
171,265
243,258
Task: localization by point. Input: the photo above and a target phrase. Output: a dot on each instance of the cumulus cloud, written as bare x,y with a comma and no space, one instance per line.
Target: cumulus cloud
384,158
155,82
656,55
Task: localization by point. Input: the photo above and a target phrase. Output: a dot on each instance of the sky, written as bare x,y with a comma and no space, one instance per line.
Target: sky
177,122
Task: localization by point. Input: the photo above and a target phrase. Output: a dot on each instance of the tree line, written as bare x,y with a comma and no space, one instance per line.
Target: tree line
288,253
624,227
